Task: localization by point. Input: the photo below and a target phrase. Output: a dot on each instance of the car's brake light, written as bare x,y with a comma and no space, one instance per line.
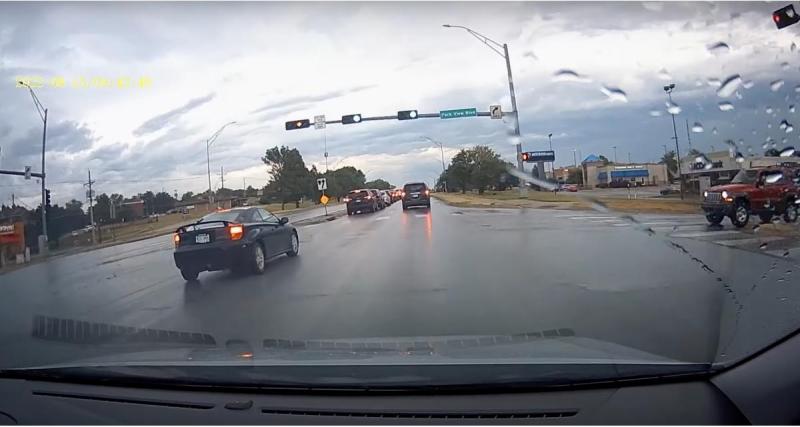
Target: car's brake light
236,231
346,199
427,192
369,197
177,239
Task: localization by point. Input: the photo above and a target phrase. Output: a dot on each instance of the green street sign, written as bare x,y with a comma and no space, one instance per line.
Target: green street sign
461,112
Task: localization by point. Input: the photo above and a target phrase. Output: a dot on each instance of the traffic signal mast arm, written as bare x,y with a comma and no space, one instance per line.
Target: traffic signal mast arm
395,117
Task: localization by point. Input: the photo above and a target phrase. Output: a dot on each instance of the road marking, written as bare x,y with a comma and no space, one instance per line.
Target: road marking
704,233
591,217
420,215
622,225
739,242
660,223
381,218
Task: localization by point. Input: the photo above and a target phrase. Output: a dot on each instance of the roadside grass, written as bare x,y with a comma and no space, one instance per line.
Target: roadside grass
563,200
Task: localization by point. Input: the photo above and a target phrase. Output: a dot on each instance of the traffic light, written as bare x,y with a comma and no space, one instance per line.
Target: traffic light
785,16
47,199
407,115
350,119
298,124
525,157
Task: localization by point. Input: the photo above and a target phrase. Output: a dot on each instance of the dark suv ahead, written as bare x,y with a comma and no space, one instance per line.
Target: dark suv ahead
416,194
361,201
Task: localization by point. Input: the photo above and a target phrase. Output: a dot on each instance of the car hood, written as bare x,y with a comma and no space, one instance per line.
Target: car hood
733,188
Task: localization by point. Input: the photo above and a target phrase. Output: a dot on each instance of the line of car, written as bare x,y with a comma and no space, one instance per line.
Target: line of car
371,200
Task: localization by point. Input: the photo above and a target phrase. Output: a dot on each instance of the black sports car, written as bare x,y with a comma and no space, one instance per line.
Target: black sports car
239,239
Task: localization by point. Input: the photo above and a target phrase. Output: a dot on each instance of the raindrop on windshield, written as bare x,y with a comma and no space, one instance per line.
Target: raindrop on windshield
663,74
789,129
793,47
786,254
719,48
738,95
673,108
750,150
729,86
739,157
655,113
791,108
783,124
765,145
725,106
775,85
569,76
697,127
785,65
747,84
784,140
698,82
763,246
714,130
797,88
787,152
715,82
768,110
614,93
755,228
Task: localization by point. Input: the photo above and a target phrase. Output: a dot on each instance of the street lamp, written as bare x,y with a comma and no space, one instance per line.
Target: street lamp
552,164
43,115
668,89
615,153
210,141
441,147
495,46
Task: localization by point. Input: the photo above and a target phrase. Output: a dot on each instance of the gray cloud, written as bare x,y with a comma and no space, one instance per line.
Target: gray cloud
297,102
162,120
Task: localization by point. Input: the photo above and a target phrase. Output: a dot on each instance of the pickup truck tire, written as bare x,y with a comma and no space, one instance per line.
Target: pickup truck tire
740,215
791,212
714,219
189,275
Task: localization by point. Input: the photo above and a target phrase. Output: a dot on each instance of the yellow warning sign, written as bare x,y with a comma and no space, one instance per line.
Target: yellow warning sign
324,199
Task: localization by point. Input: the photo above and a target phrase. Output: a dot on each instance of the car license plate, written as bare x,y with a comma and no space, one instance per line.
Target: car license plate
202,238
358,200
415,196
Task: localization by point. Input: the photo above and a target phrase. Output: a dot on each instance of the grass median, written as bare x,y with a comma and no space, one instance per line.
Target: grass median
511,199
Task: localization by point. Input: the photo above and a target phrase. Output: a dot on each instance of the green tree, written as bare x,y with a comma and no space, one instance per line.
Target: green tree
459,172
187,196
670,160
343,180
486,167
378,184
102,209
289,175
162,202
575,176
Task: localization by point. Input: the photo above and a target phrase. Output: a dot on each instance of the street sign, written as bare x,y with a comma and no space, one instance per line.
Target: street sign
461,112
319,122
27,172
496,111
322,184
539,156
324,199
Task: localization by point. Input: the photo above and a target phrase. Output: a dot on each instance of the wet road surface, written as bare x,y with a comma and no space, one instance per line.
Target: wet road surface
663,285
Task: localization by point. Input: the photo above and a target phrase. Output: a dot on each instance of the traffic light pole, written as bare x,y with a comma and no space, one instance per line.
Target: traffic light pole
43,249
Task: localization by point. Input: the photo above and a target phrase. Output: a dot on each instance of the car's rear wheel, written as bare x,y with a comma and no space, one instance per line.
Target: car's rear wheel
740,215
714,219
766,217
295,248
349,212
257,259
189,275
791,212
404,206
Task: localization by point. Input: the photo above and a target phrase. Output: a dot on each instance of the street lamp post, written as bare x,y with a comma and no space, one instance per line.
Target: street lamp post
574,159
210,141
43,115
615,153
668,89
552,164
441,148
495,46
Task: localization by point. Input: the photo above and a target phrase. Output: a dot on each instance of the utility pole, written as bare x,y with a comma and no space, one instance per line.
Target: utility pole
668,89
12,200
688,135
629,157
615,153
90,196
221,177
43,246
574,159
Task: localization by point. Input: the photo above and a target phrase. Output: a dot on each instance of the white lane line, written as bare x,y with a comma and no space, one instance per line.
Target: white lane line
740,242
622,225
660,223
381,218
705,233
591,217
420,215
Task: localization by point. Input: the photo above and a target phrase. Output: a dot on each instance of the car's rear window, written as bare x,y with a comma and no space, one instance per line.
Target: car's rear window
357,194
232,216
414,188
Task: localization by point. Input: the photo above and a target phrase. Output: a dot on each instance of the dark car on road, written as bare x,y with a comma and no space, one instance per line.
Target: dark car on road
361,201
239,239
416,194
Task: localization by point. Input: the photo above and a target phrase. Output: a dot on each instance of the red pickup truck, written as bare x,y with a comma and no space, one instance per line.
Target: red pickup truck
773,191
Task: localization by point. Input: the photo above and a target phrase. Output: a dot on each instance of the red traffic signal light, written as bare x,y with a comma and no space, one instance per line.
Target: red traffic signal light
525,157
351,118
298,124
785,16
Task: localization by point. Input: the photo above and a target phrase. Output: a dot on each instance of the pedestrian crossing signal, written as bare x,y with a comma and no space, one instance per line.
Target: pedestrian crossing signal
785,16
298,124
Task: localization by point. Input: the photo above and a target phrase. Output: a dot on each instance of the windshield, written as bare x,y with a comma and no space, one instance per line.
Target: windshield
554,165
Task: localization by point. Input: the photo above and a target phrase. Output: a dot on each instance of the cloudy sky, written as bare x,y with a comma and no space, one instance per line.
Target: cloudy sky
202,65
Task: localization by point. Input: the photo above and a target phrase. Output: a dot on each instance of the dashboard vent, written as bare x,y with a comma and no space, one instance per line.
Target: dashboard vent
422,415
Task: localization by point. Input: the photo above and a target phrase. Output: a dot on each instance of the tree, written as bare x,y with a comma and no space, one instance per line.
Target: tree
343,180
575,176
506,180
671,162
149,199
458,174
604,159
289,175
378,184
187,196
250,191
73,205
102,209
162,202
486,167
772,152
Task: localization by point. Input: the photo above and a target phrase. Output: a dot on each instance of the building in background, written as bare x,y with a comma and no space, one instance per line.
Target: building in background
720,168
598,173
